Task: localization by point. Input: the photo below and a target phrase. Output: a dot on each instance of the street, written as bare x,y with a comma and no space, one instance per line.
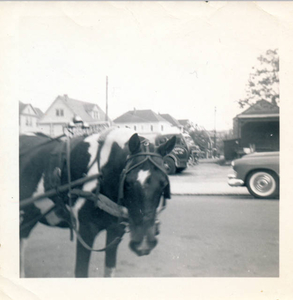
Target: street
201,236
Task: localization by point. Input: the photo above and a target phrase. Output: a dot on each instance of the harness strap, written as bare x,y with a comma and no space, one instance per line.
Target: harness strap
126,170
115,242
103,202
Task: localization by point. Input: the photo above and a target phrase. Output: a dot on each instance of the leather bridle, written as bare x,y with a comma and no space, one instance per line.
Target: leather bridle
129,167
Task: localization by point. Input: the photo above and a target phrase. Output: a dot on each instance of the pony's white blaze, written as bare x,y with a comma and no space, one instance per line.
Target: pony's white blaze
120,137
142,176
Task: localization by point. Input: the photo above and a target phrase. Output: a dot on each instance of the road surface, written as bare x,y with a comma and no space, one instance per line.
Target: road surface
201,236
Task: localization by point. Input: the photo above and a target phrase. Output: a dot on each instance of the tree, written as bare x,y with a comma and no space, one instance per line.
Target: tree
263,82
201,138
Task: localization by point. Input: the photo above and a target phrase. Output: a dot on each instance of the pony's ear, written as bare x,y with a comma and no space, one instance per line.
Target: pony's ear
134,143
167,147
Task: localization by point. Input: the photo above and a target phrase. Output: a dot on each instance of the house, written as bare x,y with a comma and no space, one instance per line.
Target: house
64,109
187,125
173,121
28,118
145,121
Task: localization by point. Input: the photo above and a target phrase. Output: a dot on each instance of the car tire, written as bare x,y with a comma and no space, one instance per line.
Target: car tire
169,165
263,184
179,170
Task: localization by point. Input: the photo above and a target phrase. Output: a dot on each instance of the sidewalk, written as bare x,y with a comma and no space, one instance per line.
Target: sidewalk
206,178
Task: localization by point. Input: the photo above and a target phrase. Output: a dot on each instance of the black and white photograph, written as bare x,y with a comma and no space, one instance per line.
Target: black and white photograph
144,144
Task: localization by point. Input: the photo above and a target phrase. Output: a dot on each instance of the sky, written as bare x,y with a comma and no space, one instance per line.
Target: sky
180,58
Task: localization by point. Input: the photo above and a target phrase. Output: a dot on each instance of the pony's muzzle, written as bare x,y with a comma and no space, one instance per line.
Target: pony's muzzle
144,247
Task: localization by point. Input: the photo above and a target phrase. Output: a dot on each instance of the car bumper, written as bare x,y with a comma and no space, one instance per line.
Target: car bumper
233,181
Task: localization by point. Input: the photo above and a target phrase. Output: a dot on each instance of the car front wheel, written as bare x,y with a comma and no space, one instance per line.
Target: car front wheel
263,184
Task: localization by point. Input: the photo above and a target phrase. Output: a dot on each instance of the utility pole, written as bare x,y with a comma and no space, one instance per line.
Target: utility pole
215,131
106,98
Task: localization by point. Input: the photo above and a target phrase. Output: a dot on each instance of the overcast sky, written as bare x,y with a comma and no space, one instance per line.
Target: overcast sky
181,58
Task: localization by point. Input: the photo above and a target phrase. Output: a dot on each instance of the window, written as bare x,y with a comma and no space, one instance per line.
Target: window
59,112
162,128
152,128
96,115
134,127
28,121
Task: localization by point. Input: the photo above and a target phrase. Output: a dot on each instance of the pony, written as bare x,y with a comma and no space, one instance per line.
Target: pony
131,175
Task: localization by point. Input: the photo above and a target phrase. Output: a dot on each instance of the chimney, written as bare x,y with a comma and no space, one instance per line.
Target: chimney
65,97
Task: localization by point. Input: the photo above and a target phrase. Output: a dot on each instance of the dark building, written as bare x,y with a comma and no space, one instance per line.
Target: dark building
257,128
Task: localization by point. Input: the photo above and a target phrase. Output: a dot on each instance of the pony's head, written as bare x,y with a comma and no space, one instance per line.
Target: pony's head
143,183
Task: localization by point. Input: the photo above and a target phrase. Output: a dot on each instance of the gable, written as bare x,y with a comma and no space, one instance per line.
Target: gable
88,112
262,107
171,120
28,110
51,115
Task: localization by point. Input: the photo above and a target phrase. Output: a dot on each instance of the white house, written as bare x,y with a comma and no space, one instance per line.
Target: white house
64,109
28,118
145,121
174,122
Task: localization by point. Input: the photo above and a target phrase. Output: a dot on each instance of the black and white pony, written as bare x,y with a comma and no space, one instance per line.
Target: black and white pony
131,174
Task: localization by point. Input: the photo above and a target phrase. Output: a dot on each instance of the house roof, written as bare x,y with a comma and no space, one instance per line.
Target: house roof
139,116
184,122
39,112
261,107
171,120
22,106
82,108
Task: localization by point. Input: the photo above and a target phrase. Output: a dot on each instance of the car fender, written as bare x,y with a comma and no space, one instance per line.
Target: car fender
174,158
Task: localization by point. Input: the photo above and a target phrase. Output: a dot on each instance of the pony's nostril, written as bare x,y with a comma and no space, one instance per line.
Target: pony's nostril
144,247
144,252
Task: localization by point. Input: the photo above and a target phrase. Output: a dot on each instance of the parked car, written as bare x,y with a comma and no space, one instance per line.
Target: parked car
259,172
177,160
194,150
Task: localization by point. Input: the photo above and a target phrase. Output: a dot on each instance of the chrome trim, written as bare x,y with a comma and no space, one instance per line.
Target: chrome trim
235,182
